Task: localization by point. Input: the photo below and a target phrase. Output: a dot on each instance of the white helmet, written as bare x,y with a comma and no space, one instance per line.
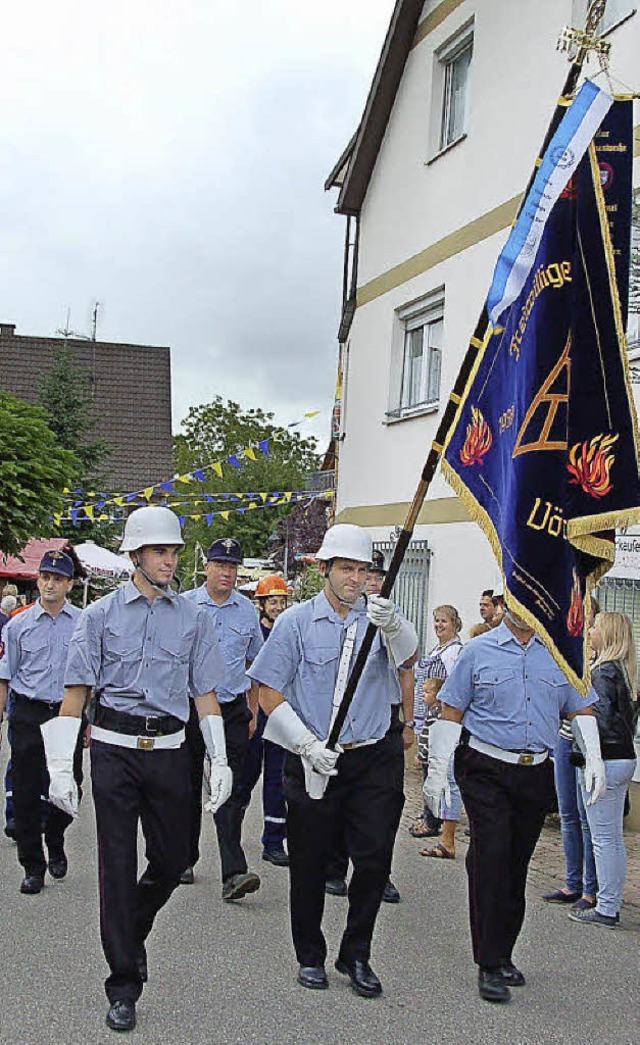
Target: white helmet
151,525
346,541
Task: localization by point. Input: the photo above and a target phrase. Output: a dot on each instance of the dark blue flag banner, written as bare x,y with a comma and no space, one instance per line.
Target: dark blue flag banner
544,448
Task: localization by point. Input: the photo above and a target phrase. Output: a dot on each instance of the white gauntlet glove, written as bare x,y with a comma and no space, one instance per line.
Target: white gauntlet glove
286,729
585,731
443,740
221,777
60,736
400,635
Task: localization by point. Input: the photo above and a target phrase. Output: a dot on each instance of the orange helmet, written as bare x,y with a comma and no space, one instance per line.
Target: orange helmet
271,586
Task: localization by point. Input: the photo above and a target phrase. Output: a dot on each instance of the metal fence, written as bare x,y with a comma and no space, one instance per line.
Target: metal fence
412,584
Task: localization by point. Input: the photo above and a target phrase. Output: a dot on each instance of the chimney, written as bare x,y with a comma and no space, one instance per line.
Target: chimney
7,329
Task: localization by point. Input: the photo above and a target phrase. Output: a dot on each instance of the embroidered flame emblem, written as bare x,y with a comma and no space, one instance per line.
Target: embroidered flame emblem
575,616
590,465
478,441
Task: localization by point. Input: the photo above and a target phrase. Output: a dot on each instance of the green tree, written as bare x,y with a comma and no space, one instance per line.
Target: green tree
214,431
34,469
65,397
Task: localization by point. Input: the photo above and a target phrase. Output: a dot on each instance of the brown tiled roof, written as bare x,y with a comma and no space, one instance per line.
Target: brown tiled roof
131,385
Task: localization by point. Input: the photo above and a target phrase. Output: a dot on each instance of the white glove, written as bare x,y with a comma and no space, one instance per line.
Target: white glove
285,728
400,635
443,740
60,736
220,775
585,731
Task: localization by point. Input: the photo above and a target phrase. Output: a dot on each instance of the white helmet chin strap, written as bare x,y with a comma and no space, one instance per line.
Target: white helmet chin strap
162,589
343,602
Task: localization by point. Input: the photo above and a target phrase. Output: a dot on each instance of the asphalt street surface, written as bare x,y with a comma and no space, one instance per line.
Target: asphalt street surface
225,973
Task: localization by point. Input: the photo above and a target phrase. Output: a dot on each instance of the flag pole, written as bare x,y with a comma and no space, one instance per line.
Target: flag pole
585,41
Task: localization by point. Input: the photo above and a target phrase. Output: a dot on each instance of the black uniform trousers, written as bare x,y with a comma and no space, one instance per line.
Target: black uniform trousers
365,799
153,788
338,864
30,780
506,805
228,820
196,748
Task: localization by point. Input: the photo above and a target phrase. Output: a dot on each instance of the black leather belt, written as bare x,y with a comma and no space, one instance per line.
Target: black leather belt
51,704
137,725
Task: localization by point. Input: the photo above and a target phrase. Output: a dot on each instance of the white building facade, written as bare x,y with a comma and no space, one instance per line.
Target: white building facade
430,183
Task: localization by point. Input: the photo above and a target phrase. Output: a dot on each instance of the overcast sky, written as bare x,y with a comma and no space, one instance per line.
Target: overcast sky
167,158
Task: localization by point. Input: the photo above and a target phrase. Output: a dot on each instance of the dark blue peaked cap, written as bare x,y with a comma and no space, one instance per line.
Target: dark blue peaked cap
57,562
225,550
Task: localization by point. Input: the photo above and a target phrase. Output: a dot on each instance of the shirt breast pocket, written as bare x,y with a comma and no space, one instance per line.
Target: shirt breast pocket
35,649
552,689
236,641
122,652
494,687
171,666
320,670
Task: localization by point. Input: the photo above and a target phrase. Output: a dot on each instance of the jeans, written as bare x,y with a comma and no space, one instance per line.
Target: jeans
576,837
605,821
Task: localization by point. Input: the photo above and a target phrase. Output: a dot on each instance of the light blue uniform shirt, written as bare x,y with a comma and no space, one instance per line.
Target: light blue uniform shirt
512,695
301,661
144,657
237,630
35,653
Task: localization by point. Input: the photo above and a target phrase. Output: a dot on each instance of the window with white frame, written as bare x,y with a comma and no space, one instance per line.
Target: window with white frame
456,67
419,348
616,11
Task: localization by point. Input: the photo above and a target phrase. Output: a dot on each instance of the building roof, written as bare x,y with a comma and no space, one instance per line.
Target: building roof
353,170
129,388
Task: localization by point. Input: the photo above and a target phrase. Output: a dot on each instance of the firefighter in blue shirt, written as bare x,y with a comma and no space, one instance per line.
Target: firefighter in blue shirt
143,649
32,667
237,630
301,670
264,757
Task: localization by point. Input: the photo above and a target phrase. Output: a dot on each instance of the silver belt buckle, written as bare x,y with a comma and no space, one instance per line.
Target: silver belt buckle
146,743
525,760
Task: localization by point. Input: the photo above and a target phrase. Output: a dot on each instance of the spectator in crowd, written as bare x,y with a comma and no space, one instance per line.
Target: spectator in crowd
479,629
614,678
487,606
499,609
7,606
581,882
431,672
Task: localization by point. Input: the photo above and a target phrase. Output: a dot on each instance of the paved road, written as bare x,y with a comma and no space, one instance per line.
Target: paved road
223,973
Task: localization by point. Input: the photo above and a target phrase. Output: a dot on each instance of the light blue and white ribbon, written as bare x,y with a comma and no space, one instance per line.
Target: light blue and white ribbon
562,156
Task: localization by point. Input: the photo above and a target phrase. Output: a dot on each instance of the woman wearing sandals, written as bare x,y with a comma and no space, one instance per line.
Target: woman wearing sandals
430,675
613,676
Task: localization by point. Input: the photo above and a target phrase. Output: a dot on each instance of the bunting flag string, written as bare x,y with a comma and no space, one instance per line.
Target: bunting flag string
288,497
101,499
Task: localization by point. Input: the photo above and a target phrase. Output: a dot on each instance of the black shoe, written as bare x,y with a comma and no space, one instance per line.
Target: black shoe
10,830
276,856
187,877
511,976
491,985
141,964
363,979
313,976
335,886
122,1015
390,894
32,884
58,866
239,885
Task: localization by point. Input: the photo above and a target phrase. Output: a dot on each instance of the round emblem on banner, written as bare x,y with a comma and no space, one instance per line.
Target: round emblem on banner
563,157
606,175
